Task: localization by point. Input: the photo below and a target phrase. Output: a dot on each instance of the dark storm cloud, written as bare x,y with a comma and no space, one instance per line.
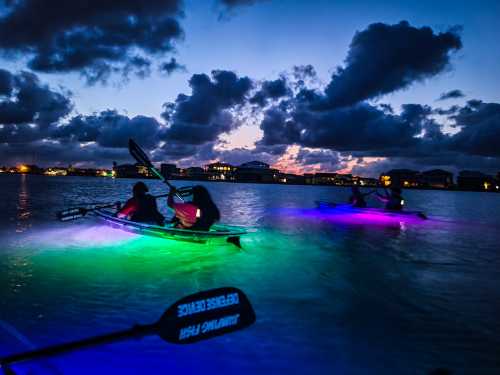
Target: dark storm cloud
28,108
54,153
110,129
360,127
205,114
479,129
328,159
95,37
271,90
6,81
385,58
453,94
171,66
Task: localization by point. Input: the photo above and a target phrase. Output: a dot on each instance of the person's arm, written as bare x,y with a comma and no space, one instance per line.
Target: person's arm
127,210
170,198
382,198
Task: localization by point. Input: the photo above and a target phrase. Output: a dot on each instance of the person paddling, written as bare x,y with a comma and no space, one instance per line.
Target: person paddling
394,200
141,207
199,214
357,199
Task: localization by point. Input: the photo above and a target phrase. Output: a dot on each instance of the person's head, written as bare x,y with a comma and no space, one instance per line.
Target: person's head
140,189
202,199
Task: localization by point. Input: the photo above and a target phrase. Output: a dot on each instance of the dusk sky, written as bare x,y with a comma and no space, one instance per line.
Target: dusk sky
350,86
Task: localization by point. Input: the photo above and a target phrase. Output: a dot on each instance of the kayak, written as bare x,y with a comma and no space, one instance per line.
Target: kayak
228,233
348,208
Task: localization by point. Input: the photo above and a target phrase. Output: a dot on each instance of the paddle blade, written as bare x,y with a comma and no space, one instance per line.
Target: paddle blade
71,214
235,241
205,315
138,154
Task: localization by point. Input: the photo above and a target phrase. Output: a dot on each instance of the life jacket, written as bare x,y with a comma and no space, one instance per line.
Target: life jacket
145,210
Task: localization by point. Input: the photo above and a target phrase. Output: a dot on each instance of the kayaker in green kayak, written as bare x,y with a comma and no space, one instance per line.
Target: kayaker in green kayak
199,214
394,200
141,207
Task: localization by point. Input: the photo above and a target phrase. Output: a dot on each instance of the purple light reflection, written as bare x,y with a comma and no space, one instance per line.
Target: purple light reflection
355,217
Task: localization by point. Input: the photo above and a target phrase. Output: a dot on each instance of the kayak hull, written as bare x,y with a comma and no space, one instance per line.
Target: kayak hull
322,205
217,232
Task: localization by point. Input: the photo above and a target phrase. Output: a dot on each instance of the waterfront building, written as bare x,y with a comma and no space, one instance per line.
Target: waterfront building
401,177
168,170
474,180
195,173
325,178
220,171
437,178
256,171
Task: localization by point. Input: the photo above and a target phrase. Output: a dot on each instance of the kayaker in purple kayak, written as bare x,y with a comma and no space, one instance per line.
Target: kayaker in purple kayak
394,200
357,198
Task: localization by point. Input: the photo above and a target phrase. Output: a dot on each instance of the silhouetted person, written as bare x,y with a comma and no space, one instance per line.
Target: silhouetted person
141,207
199,214
357,198
394,200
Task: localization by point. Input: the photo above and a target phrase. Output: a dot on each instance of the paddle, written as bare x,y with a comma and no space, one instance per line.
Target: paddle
193,318
79,212
141,157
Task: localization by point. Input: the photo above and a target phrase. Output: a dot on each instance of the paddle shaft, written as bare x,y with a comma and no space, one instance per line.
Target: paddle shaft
137,331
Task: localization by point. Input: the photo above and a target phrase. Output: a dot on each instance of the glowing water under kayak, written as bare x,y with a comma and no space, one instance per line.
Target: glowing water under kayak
217,232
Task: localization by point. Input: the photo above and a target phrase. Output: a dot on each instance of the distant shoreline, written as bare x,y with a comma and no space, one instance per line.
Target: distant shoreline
262,182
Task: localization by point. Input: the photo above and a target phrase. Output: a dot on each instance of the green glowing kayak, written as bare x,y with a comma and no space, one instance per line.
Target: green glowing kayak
228,233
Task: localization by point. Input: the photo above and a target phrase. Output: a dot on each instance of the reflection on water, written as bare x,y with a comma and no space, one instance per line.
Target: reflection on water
23,205
333,294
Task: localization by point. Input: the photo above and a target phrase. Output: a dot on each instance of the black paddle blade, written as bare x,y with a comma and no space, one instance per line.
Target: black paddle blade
235,241
138,154
205,315
71,214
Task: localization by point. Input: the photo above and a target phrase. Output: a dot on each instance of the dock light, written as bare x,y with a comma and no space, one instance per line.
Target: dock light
402,202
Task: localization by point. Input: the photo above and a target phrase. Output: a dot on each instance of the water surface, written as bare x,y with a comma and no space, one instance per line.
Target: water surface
333,294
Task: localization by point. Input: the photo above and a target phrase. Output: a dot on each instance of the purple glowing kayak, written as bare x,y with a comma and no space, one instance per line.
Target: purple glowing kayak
348,208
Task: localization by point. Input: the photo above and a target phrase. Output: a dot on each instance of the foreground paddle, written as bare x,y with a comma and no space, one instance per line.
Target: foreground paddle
141,157
194,318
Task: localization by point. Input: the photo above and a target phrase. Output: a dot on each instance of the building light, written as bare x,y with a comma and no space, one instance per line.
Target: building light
406,183
24,169
486,185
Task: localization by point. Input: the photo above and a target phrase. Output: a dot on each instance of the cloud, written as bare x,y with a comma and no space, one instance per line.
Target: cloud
171,66
6,82
205,114
237,3
326,159
93,37
271,90
452,94
55,153
109,129
479,129
385,58
29,108
357,128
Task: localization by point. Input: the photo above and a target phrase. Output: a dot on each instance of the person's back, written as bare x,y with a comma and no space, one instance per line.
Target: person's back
357,199
141,207
393,201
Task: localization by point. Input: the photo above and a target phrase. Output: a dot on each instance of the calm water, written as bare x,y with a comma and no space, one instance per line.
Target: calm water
332,293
